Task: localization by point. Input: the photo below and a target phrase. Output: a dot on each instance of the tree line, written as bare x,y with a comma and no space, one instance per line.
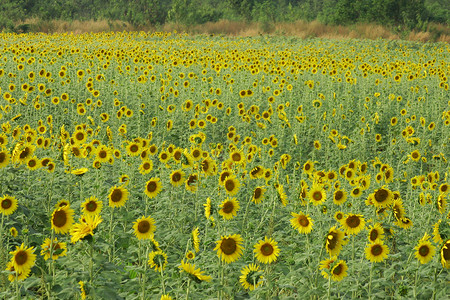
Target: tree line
407,14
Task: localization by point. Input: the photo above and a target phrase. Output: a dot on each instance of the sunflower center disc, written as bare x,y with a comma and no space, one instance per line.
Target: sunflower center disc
257,193
228,207
176,177
381,195
353,221
60,218
377,250
21,257
151,187
143,226
373,235
317,196
424,250
337,270
116,196
91,206
228,246
303,221
229,185
266,249
7,203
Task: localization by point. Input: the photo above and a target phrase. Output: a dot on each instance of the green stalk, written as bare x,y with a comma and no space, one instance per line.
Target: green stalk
111,241
370,280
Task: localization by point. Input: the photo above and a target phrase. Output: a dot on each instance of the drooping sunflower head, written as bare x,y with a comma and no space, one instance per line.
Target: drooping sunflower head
445,255
157,260
334,241
251,277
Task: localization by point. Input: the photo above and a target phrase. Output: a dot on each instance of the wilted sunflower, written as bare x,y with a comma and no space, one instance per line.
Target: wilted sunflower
251,277
195,274
117,196
153,187
229,248
86,227
157,260
267,250
62,219
177,178
317,195
231,185
334,241
59,249
8,205
353,223
23,259
445,255
91,206
303,223
229,208
258,194
424,250
377,251
144,227
376,232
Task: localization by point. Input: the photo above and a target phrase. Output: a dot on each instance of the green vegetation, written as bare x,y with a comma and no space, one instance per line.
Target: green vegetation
403,14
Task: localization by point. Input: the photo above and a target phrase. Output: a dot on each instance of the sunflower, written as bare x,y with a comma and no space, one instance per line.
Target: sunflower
146,167
62,203
445,255
424,250
308,167
144,227
191,183
258,194
92,206
190,255
103,154
133,149
33,163
382,197
229,208
281,195
266,251
117,196
4,158
224,175
376,251
62,219
23,259
404,223
196,239
195,274
86,227
334,241
251,277
229,248
157,260
257,172
8,205
317,195
59,249
303,223
337,269
13,231
207,206
177,178
79,172
353,224
376,232
153,187
231,185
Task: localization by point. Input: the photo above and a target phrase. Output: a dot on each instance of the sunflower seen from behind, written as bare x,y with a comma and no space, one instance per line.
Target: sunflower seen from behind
144,227
229,248
267,250
85,228
193,273
59,249
157,260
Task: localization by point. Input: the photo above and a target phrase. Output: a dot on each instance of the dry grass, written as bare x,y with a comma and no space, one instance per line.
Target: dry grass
301,29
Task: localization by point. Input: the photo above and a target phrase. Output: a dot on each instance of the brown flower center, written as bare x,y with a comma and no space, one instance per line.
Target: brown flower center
267,249
353,221
21,257
381,195
257,193
373,235
143,226
134,148
376,250
303,221
317,196
228,207
60,218
116,195
91,206
6,203
338,270
151,186
176,177
424,250
229,185
228,246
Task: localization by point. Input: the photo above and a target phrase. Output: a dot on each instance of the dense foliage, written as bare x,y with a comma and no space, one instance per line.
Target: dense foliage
405,13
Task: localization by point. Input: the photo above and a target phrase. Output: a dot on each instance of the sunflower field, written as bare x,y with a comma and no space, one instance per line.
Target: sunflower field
142,165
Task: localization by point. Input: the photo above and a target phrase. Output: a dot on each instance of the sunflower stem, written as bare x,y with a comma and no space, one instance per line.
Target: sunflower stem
162,279
17,286
317,270
245,216
187,289
329,288
91,261
370,280
111,240
415,280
